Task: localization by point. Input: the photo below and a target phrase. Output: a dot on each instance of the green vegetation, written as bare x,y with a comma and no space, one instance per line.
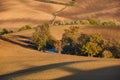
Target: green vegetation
107,54
91,49
82,44
26,27
75,43
89,22
42,37
5,31
94,46
69,40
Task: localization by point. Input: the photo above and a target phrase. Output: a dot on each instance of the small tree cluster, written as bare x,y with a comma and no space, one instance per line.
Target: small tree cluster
94,46
82,44
26,27
42,37
73,42
5,31
89,22
69,40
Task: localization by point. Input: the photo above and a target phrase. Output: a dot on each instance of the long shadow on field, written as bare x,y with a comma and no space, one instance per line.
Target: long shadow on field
23,43
107,73
38,69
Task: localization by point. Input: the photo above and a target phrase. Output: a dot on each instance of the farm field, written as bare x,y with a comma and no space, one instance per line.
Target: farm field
19,57
20,60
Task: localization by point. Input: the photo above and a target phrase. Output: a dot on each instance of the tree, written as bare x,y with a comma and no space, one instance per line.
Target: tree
41,36
58,46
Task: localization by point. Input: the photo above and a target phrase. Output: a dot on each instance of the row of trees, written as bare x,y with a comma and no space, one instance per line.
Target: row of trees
75,43
88,22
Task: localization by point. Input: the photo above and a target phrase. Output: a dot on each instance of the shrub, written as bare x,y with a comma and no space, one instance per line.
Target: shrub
26,27
77,22
91,48
84,22
42,37
62,23
107,54
5,31
115,49
97,38
94,22
109,23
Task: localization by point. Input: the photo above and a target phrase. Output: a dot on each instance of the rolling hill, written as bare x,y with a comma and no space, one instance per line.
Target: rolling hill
16,13
19,58
20,61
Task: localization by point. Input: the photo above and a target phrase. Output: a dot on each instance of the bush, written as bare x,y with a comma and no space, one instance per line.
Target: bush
97,38
109,23
42,38
91,48
77,22
5,31
94,22
115,49
26,27
84,22
107,54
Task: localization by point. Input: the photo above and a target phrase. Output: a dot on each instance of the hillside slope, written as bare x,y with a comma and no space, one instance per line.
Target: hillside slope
20,61
16,13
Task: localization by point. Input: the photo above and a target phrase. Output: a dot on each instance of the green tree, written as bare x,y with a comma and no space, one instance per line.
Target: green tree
41,36
91,48
69,40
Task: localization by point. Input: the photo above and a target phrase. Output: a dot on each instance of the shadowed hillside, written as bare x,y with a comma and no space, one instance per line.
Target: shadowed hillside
100,9
15,13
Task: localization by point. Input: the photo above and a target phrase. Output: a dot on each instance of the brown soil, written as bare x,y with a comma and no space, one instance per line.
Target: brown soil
33,12
19,60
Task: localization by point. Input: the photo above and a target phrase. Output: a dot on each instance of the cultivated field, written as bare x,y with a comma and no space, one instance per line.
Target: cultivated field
16,13
19,58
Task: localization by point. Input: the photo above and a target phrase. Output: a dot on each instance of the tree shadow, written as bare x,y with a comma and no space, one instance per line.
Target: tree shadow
38,69
28,44
106,73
